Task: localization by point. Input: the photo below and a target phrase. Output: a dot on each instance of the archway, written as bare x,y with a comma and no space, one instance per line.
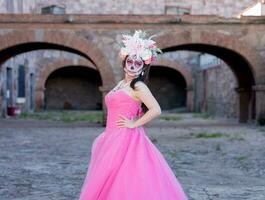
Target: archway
44,72
240,57
73,88
18,42
186,75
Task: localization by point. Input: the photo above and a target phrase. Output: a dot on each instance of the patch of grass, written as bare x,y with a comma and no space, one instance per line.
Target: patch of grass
171,153
90,117
209,135
171,118
36,116
203,115
153,139
241,158
65,116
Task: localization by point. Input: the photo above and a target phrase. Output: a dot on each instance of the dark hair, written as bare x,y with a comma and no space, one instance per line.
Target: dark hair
143,78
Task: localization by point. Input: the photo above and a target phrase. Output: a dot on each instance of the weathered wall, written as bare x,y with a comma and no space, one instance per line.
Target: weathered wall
86,6
33,61
218,95
99,40
73,88
225,8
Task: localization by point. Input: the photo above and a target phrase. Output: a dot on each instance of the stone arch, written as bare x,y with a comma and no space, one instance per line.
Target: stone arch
185,73
185,40
45,71
16,42
55,39
243,60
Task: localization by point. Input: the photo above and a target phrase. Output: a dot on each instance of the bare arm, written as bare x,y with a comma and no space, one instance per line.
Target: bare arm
144,94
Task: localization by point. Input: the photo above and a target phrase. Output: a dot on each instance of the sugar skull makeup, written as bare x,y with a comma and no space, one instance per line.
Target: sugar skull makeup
134,65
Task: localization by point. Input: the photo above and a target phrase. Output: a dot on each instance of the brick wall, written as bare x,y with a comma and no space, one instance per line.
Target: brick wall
213,98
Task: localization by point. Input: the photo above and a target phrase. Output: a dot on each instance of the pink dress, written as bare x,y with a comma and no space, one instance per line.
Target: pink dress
124,163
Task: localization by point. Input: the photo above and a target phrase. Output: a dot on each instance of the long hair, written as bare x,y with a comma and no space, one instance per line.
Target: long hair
143,78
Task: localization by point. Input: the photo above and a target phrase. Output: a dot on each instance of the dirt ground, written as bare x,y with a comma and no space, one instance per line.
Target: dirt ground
212,158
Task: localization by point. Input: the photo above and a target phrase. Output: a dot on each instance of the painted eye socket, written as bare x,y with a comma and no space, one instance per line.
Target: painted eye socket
129,61
138,63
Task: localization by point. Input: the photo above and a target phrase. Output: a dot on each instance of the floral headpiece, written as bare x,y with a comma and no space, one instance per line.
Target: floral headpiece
140,46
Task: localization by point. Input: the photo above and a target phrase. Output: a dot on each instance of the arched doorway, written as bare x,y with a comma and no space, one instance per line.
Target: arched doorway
241,59
73,88
18,42
182,79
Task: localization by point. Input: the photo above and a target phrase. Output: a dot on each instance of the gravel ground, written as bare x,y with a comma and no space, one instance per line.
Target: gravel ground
211,160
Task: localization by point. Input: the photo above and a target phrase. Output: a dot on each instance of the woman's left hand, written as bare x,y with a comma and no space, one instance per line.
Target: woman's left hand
125,122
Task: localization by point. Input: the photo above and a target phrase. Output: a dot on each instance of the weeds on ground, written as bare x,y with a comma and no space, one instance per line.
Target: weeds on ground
65,116
242,160
171,118
209,135
171,153
203,115
153,139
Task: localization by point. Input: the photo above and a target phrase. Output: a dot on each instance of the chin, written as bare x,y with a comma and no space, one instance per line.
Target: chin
131,74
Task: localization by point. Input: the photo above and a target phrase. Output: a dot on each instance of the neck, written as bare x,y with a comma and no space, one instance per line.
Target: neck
128,78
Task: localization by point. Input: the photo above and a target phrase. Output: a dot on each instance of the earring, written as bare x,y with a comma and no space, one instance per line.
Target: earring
142,73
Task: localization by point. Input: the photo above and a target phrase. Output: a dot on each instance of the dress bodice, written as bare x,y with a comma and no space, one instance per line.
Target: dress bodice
120,102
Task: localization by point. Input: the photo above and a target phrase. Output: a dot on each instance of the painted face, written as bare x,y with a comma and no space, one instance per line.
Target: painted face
134,65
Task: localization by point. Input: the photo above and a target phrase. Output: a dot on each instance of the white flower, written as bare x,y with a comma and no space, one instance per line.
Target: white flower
147,54
139,46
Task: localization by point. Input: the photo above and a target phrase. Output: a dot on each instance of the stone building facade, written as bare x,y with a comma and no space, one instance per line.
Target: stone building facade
53,53
224,8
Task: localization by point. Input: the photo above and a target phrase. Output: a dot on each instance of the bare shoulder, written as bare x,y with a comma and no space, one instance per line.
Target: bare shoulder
140,86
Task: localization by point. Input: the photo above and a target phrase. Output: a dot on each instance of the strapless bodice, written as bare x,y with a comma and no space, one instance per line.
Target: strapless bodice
120,102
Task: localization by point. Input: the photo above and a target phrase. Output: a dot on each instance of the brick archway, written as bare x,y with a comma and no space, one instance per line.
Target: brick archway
185,73
56,39
185,40
240,56
16,42
43,73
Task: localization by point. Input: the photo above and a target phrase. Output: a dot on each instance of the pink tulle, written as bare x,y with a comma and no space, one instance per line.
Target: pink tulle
125,164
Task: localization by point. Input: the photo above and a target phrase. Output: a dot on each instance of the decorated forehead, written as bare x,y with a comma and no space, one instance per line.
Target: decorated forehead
138,46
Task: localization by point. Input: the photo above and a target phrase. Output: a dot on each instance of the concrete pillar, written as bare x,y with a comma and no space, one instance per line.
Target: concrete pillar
244,104
260,104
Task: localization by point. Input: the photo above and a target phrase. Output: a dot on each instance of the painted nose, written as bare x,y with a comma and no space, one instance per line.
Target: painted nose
132,67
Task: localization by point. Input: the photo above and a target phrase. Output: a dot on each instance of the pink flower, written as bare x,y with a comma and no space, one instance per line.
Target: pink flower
153,58
152,46
148,61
